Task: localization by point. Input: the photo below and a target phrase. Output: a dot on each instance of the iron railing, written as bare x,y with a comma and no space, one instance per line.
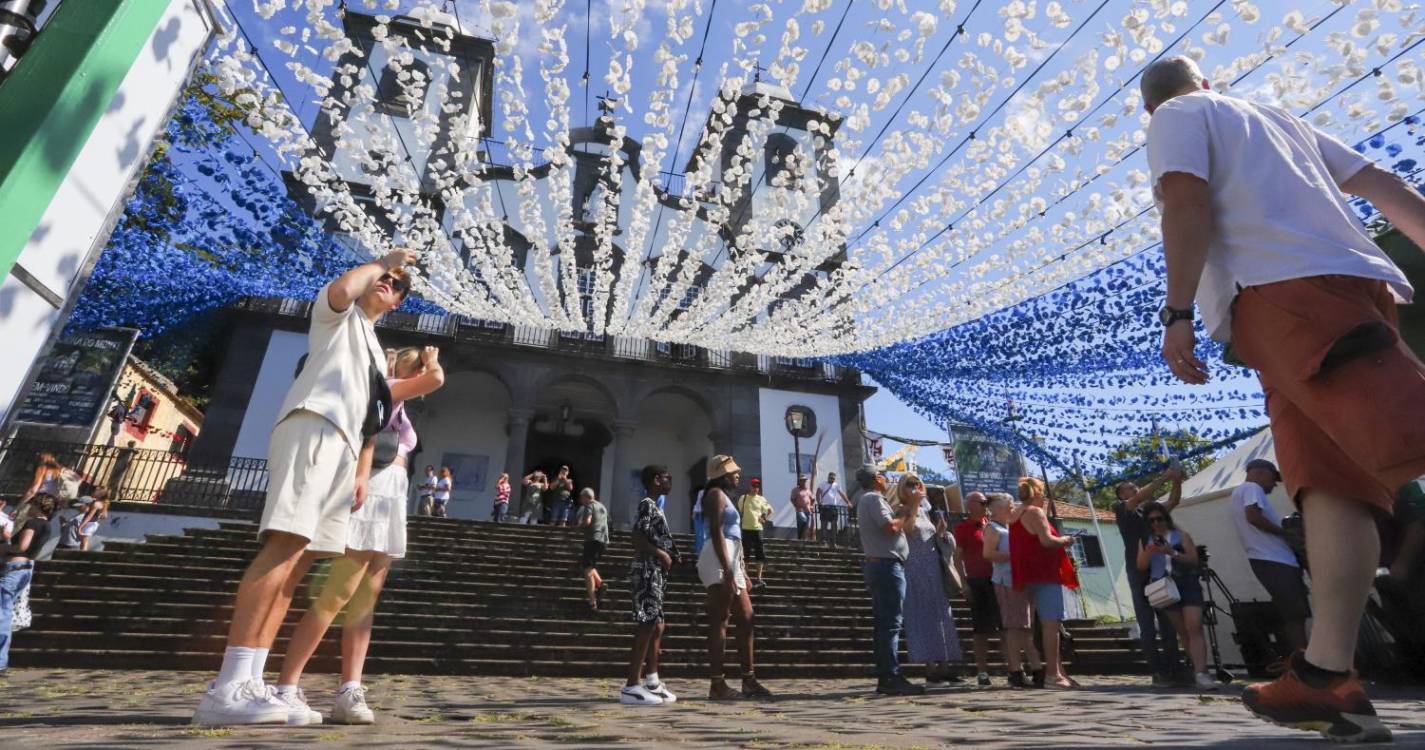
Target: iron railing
139,474
464,329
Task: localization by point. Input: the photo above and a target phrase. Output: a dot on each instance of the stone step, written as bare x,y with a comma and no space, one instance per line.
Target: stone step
471,598
687,653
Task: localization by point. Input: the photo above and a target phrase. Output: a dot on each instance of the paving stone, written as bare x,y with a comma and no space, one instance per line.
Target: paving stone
75,708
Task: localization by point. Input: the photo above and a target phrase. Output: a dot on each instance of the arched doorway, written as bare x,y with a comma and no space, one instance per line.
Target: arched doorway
673,428
571,428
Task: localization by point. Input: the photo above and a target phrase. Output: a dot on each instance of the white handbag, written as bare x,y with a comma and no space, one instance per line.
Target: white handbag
1163,593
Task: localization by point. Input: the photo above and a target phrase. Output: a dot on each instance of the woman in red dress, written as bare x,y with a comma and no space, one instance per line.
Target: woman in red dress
1042,569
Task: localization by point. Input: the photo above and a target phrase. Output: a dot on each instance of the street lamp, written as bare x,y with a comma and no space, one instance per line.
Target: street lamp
795,421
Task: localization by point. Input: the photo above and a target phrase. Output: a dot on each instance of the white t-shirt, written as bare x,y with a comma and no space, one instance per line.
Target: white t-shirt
830,494
335,381
1258,544
1278,212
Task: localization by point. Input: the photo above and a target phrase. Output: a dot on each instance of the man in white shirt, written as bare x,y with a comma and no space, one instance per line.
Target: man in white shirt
833,503
318,465
1257,230
1272,560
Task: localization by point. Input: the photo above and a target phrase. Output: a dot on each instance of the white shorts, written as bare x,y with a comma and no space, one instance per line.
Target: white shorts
380,524
311,482
710,569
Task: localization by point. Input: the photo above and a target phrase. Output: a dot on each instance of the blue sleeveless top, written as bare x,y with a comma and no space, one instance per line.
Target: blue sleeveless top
1001,573
1158,564
731,519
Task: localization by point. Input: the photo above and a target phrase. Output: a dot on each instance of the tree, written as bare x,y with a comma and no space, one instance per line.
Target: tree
1139,459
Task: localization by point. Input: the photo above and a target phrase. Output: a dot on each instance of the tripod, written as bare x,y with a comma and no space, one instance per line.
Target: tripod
1211,608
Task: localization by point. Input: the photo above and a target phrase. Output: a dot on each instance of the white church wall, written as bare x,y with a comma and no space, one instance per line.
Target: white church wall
463,425
279,367
672,431
778,474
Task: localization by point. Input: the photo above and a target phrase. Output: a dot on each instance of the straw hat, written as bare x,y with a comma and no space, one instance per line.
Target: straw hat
721,465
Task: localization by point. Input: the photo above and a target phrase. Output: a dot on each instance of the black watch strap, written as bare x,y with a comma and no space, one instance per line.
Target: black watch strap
1170,315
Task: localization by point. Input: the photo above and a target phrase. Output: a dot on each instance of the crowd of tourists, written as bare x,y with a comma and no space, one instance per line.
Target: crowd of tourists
1257,234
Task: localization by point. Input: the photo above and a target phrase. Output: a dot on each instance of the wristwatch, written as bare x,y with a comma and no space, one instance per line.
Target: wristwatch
1169,315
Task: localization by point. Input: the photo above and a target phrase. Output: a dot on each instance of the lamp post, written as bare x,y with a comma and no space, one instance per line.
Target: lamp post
796,420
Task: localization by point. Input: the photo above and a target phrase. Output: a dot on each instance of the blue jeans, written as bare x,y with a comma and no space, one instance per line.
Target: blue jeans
886,581
15,579
560,512
1153,623
499,512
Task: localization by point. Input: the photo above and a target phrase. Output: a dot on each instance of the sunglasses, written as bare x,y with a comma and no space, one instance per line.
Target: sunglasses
399,286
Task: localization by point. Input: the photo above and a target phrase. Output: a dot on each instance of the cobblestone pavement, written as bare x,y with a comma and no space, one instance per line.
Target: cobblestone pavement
43,708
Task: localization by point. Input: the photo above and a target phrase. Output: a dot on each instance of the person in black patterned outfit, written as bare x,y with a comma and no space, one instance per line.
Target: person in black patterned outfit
654,555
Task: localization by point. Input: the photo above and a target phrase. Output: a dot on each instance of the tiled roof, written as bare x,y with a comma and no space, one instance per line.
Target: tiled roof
1081,513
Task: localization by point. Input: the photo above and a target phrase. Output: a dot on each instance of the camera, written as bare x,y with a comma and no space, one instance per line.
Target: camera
1202,555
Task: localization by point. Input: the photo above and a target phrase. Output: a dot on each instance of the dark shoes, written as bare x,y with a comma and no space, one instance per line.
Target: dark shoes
1018,680
1037,677
753,690
898,686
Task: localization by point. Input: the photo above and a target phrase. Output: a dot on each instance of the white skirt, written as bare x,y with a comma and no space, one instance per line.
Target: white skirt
380,524
710,569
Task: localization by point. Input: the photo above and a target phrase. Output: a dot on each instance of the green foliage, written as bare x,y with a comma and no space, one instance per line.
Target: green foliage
1129,458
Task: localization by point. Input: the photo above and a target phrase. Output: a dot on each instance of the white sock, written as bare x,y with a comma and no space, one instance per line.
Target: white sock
286,689
345,686
650,679
259,663
237,665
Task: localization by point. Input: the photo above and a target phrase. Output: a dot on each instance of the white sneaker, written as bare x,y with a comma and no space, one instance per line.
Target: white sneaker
351,707
1205,682
638,695
299,714
661,690
247,702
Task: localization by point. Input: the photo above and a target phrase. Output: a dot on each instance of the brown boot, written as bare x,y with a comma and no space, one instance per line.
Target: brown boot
753,689
719,691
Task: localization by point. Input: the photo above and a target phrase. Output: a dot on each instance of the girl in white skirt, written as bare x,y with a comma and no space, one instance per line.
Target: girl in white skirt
375,537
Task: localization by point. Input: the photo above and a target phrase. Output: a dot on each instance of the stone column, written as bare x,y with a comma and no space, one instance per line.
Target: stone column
624,502
514,450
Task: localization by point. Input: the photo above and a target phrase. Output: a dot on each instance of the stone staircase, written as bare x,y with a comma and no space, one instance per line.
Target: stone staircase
470,598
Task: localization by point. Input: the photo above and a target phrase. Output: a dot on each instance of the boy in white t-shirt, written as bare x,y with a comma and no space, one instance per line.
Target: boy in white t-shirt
318,468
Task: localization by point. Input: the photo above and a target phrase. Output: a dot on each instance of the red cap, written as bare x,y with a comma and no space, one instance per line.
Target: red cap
756,481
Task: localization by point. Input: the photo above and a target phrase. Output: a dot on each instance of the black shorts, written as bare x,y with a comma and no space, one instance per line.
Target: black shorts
592,552
984,606
829,514
752,545
1286,587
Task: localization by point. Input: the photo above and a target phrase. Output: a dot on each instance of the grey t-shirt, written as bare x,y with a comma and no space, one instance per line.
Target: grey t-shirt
598,531
872,514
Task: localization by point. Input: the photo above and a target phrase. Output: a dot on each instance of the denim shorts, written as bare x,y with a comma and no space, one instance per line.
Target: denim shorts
1048,599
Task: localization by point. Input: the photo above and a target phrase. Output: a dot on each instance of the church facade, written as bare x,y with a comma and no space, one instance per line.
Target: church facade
517,400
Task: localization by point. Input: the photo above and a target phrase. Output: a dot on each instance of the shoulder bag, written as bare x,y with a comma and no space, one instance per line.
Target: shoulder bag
1163,593
950,578
388,441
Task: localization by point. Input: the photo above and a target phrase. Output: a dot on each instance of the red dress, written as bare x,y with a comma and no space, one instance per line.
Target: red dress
1031,562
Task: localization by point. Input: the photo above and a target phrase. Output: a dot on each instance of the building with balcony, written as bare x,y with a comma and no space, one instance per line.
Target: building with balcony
517,399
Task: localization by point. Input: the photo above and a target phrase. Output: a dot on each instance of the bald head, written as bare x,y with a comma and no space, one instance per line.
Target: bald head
975,505
1170,77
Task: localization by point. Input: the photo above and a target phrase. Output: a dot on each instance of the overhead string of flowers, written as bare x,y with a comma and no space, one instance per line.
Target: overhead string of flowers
957,160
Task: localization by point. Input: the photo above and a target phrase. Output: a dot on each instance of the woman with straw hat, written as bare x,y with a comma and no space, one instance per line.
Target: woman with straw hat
722,571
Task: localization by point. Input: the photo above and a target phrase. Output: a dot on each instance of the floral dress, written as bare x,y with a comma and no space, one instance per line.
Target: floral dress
929,623
647,576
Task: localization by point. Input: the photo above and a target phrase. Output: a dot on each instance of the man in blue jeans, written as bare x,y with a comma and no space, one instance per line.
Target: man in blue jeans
885,547
1153,624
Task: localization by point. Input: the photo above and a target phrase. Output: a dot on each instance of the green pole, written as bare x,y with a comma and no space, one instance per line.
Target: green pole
53,99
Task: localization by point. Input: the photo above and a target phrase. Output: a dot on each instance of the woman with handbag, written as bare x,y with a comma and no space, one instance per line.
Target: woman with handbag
1169,557
929,624
376,536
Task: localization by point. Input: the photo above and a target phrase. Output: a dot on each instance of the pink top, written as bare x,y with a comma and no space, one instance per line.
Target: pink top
801,499
407,441
502,491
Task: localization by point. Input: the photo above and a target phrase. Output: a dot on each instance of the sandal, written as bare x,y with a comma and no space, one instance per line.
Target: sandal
719,691
751,688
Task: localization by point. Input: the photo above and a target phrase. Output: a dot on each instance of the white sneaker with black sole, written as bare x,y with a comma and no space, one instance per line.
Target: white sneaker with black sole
1205,681
661,690
351,707
299,714
638,695
238,703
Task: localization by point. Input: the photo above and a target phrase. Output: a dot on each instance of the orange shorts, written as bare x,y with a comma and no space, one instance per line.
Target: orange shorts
1345,396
